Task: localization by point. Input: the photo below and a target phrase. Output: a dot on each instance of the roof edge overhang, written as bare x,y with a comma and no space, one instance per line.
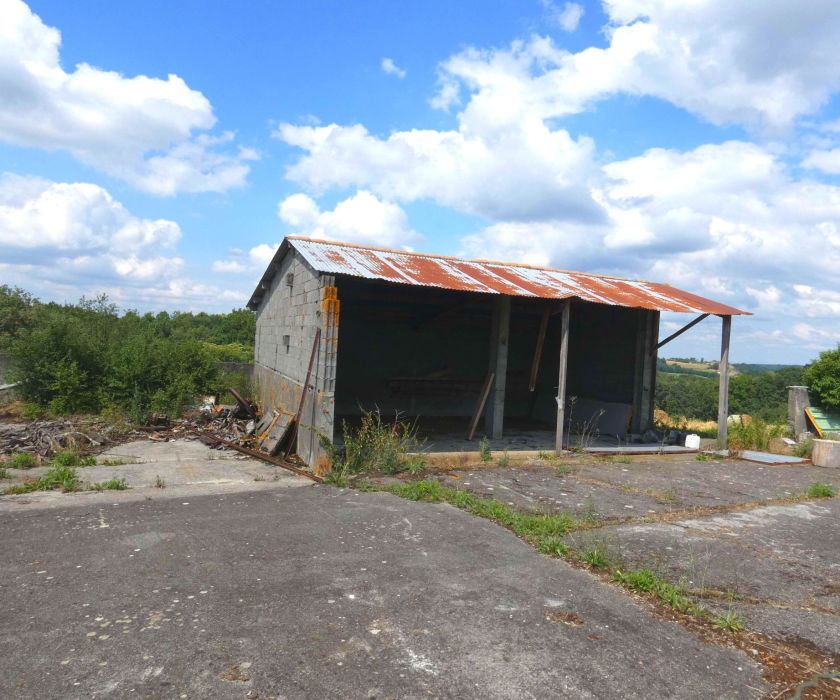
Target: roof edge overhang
693,302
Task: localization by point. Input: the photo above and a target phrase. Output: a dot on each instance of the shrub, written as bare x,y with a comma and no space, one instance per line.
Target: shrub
88,358
754,435
375,446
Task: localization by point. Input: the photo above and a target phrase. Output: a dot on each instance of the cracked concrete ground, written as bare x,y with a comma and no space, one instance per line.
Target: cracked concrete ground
322,593
182,466
776,565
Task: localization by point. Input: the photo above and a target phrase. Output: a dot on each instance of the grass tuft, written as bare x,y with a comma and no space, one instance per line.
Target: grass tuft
23,460
484,450
729,621
595,556
71,458
63,478
110,485
820,490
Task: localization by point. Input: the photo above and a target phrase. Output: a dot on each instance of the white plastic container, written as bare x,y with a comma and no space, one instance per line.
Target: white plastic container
692,442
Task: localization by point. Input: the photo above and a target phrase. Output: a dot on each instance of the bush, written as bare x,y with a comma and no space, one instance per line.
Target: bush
823,379
88,358
754,435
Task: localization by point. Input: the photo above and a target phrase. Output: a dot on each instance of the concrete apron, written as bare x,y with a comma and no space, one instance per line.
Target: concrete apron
161,470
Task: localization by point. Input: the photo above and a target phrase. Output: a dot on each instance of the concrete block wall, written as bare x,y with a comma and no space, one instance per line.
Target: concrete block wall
287,320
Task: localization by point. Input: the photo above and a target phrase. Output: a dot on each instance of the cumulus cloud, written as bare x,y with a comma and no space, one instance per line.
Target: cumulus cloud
391,68
526,172
150,132
741,63
66,239
362,218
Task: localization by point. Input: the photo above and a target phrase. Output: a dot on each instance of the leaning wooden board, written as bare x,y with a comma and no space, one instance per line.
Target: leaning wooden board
273,441
823,422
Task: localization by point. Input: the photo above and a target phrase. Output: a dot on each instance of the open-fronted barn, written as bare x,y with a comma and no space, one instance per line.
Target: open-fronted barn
539,354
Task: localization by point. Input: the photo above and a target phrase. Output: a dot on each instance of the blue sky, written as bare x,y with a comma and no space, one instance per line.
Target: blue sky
159,151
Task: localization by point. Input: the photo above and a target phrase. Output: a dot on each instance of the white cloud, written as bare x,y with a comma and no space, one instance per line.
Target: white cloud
827,161
228,267
62,240
744,63
391,68
148,131
252,264
566,17
362,218
526,172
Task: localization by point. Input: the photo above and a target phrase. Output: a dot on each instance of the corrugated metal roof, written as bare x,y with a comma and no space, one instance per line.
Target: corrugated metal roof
489,277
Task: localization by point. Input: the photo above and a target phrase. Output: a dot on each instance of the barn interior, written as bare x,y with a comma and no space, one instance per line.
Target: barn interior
443,361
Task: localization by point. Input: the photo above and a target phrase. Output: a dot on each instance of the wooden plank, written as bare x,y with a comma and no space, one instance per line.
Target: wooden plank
535,365
682,330
275,439
304,389
561,383
723,387
479,408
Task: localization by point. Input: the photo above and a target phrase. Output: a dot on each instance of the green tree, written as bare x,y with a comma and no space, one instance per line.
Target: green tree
823,378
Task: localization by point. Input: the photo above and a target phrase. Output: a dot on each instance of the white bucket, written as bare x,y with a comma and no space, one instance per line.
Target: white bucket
692,442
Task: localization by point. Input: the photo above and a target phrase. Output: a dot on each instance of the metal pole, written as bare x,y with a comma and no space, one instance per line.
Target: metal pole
723,387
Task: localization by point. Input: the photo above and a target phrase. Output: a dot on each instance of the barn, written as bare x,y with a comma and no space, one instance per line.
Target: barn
530,357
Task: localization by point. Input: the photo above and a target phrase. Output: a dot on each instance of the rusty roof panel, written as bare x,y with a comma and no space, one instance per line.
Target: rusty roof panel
494,278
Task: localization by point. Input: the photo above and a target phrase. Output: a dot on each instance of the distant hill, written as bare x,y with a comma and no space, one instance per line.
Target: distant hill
709,368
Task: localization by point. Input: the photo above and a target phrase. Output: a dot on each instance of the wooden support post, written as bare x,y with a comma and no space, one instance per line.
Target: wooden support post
561,382
535,365
498,365
723,387
649,373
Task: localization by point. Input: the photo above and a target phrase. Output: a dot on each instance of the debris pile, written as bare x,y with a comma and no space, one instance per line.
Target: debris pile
46,437
235,424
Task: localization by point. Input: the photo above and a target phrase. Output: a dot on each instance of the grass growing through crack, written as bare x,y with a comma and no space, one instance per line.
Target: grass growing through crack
820,490
544,530
484,453
110,485
595,556
59,477
3,473
645,581
729,621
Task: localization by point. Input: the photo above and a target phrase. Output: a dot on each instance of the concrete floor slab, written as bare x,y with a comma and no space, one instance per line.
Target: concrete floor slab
323,593
190,467
778,566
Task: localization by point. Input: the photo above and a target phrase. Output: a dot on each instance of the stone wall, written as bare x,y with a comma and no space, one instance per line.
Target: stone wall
287,320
